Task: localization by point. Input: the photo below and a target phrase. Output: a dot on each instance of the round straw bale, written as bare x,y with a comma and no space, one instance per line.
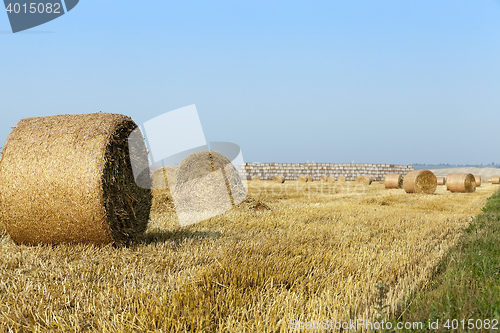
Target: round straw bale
206,184
420,181
393,180
461,182
495,180
255,178
365,180
69,179
323,178
309,178
162,207
341,179
331,179
441,180
279,179
163,179
478,180
302,179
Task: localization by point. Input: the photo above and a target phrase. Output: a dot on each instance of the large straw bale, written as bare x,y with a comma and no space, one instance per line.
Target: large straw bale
393,180
441,180
478,180
331,179
279,179
302,179
206,185
420,181
341,179
495,180
461,182
364,180
69,179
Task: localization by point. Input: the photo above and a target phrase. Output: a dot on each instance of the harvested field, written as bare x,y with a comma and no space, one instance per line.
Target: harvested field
293,250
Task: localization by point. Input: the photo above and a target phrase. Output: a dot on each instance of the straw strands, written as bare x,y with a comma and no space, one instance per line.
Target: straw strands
69,179
461,182
393,180
421,181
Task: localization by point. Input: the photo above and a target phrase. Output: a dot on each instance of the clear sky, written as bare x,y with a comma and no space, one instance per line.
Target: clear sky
289,81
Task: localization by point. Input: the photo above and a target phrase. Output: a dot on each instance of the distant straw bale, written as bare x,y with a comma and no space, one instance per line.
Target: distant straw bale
255,178
393,180
420,181
279,179
206,185
364,180
302,179
441,180
495,180
331,179
461,182
163,208
309,178
478,180
323,178
341,179
69,179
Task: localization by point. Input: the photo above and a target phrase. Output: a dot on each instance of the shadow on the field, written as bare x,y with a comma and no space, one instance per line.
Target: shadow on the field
177,236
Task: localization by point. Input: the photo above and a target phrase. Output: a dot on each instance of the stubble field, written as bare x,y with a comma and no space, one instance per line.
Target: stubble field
304,252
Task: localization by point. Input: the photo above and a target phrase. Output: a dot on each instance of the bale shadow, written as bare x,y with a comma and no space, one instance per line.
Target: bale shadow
177,236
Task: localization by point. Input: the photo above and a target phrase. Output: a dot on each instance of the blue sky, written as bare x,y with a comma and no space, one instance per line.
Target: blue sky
289,81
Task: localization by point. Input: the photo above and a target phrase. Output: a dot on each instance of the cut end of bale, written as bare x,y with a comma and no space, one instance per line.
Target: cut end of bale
420,181
478,180
69,179
393,180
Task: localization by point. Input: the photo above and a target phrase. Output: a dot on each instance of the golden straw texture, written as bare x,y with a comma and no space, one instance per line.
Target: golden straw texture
495,180
309,178
393,180
331,179
441,180
69,179
341,179
420,181
255,178
163,208
323,178
461,182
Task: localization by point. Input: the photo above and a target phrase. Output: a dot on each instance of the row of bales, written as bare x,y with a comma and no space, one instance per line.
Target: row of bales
424,181
318,171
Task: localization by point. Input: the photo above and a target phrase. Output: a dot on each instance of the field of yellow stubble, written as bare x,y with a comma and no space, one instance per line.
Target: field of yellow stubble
316,254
